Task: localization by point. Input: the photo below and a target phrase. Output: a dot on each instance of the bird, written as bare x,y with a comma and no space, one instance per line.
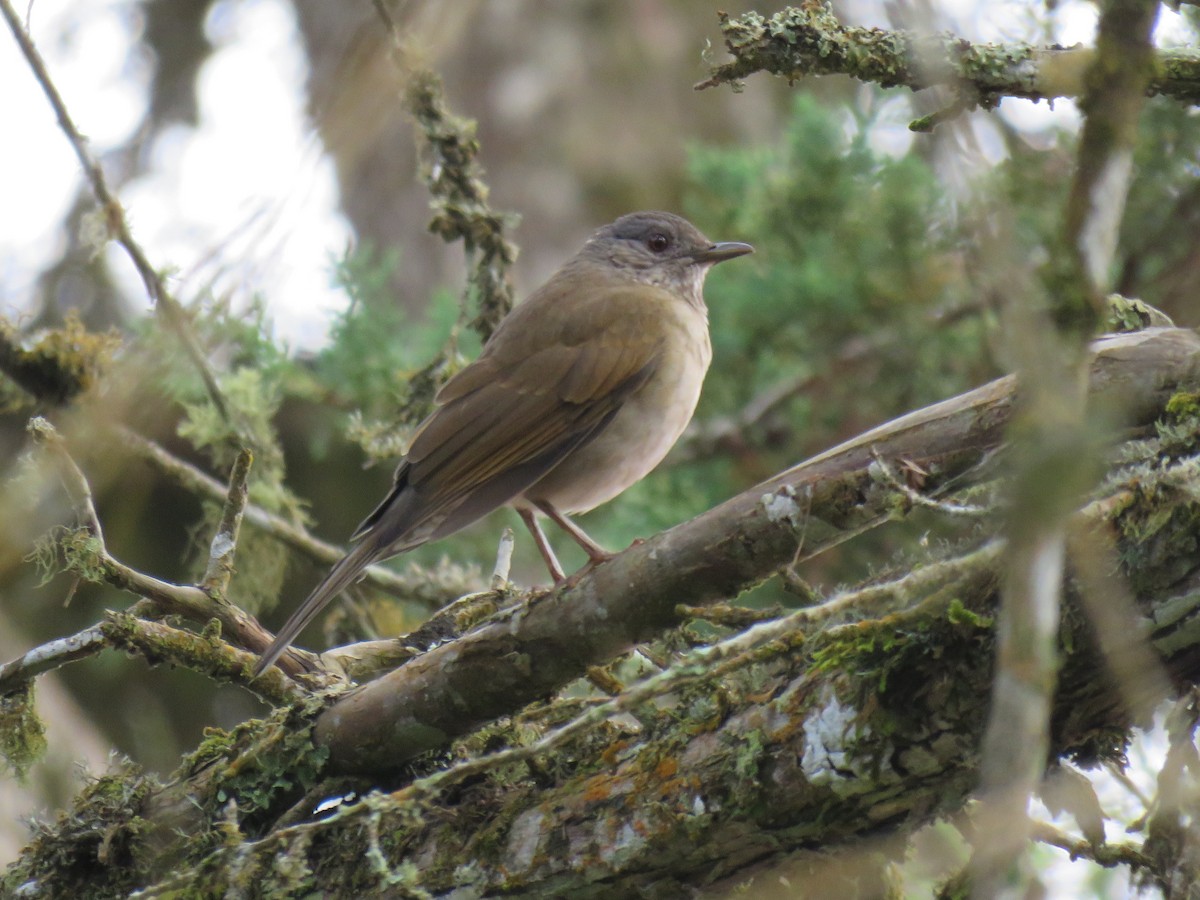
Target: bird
579,393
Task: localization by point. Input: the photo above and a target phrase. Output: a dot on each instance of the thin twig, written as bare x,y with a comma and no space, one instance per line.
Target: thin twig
114,215
916,498
503,559
1107,855
418,588
189,601
72,478
224,542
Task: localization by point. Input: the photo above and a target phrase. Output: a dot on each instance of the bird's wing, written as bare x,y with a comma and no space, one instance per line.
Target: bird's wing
544,387
545,384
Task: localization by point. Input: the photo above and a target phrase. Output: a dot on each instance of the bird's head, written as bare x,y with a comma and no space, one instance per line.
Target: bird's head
660,249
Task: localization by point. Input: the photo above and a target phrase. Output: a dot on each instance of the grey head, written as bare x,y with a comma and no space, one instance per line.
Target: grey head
659,249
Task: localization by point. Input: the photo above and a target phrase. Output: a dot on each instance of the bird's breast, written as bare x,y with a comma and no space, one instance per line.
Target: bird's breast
642,432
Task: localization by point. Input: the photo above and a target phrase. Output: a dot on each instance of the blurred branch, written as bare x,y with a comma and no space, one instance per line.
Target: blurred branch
416,585
711,558
1173,834
62,364
93,556
809,39
1056,459
455,179
115,222
1107,855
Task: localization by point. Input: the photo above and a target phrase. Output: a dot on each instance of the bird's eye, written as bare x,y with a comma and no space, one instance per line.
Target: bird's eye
658,242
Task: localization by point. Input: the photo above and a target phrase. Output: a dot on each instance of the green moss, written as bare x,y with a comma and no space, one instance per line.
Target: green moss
87,852
1159,535
22,734
1185,404
958,614
268,761
74,550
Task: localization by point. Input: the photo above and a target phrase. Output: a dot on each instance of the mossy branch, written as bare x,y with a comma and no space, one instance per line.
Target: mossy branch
809,39
89,557
711,558
788,737
202,652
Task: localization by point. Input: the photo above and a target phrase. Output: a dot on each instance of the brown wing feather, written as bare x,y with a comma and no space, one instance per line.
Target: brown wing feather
546,381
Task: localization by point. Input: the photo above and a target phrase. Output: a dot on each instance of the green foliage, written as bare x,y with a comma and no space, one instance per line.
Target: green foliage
851,245
384,363
255,377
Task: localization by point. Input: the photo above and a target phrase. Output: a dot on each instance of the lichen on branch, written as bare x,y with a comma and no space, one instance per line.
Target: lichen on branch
809,39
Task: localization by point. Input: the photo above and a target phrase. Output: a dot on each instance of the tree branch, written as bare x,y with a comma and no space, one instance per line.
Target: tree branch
1056,454
809,40
416,584
91,557
556,636
781,742
455,180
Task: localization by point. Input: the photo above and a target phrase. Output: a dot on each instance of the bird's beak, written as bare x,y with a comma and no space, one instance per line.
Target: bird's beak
721,252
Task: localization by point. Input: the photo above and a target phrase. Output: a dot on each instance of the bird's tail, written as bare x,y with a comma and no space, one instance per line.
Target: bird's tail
340,577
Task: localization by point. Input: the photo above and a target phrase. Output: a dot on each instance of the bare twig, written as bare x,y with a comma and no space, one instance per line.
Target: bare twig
72,478
916,498
503,559
114,215
224,542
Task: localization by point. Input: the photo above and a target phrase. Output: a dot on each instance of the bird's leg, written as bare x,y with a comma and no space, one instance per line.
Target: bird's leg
595,552
529,517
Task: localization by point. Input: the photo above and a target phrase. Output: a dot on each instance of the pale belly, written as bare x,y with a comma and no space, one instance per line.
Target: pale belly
637,439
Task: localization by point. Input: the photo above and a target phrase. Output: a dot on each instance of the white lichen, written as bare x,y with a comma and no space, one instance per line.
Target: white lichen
832,757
